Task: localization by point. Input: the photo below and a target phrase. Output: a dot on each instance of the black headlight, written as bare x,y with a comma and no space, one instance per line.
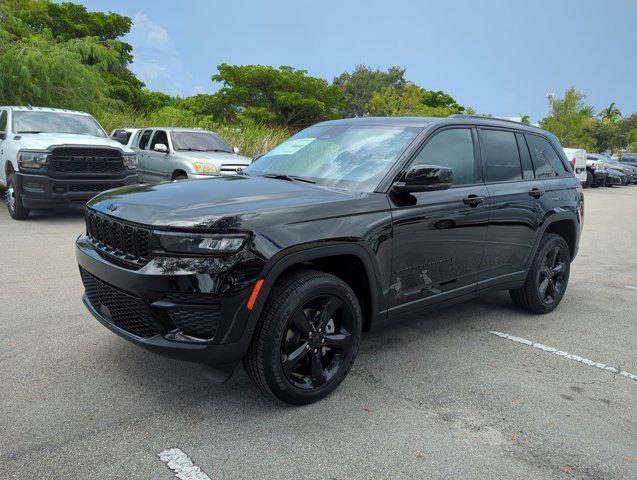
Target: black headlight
201,243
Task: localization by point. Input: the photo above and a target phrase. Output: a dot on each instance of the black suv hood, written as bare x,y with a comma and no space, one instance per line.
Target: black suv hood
219,202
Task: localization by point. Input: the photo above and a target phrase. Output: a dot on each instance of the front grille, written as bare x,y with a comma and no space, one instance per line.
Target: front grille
121,239
124,310
86,160
198,323
229,168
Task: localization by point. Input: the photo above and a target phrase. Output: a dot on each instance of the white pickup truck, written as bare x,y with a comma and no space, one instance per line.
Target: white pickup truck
51,157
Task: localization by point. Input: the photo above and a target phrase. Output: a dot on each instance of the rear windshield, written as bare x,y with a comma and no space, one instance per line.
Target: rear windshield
28,121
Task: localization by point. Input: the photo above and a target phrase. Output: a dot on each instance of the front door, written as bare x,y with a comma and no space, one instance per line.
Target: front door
439,236
143,157
157,165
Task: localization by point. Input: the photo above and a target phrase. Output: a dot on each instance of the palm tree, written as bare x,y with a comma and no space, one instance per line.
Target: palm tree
611,113
525,119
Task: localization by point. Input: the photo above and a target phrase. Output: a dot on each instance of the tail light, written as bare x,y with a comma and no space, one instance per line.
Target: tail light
573,163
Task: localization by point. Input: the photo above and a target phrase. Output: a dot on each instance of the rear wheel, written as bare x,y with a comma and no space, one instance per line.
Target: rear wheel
307,339
14,202
547,279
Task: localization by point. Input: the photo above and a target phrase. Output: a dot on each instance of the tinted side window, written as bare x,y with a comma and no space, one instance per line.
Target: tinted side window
451,148
3,121
143,140
501,154
546,162
527,166
159,137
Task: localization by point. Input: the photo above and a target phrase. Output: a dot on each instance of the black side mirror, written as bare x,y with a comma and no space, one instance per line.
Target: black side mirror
425,178
3,135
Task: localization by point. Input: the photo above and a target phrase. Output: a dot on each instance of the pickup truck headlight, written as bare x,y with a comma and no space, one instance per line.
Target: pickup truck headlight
32,159
204,168
130,161
201,243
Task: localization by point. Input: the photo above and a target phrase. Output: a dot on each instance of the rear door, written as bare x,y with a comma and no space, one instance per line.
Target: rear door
516,211
439,236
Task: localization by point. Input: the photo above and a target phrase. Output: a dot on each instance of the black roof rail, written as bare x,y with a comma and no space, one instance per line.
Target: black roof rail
480,117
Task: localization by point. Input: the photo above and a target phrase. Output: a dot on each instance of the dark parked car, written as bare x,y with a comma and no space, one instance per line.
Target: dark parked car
348,225
615,177
629,159
626,169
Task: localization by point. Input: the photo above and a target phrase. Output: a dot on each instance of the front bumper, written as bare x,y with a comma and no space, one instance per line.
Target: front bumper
42,191
613,179
158,305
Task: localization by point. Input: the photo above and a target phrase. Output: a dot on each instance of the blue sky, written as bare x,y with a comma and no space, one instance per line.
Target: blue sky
500,57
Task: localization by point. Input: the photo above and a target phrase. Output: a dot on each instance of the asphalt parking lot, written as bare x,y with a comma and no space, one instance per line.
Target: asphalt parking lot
436,397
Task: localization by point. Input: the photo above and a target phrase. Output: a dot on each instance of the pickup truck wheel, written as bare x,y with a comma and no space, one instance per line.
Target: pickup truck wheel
307,339
14,203
547,279
179,177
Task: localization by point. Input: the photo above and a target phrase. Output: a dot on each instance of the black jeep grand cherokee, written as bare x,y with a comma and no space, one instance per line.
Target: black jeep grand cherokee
346,226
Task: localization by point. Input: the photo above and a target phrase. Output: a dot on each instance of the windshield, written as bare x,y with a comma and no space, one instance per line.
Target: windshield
55,122
351,157
199,141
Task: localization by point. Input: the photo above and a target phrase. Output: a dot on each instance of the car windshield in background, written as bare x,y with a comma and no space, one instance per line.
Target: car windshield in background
350,157
56,122
199,142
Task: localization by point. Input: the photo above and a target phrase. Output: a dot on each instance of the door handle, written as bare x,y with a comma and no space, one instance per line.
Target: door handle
536,192
473,200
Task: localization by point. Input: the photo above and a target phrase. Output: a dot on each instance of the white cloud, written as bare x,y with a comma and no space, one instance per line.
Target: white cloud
157,62
146,33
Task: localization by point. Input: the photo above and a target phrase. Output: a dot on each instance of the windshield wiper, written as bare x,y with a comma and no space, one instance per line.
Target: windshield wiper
29,131
290,178
191,150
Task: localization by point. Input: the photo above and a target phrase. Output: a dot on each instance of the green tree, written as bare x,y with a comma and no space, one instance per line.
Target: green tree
571,120
42,26
412,100
525,119
360,86
611,113
284,95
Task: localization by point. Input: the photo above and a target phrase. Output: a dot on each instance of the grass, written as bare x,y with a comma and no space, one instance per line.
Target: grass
251,138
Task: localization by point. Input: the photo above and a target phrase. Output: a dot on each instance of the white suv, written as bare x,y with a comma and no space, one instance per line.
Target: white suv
51,157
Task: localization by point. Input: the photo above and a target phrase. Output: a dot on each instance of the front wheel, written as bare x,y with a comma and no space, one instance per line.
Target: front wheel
307,338
590,179
14,202
547,279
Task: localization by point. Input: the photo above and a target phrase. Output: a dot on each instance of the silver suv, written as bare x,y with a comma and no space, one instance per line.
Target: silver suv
166,153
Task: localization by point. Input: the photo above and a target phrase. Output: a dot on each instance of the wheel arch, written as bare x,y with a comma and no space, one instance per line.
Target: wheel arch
178,172
350,262
564,225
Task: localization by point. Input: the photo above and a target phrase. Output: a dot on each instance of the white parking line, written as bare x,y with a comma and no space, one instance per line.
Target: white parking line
181,464
631,287
570,356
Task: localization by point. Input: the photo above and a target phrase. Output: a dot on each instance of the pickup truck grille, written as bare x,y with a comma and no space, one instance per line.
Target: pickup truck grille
231,169
86,160
126,241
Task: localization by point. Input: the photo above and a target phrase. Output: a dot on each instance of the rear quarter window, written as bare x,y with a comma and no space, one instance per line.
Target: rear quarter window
546,161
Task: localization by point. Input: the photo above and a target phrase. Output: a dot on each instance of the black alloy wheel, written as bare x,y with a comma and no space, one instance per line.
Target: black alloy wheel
307,338
551,278
316,342
547,278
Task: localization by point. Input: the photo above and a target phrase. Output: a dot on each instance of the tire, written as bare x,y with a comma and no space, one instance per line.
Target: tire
14,202
179,177
590,179
545,285
306,298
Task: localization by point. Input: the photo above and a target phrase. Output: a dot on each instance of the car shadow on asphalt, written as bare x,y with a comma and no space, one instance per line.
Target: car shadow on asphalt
181,384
